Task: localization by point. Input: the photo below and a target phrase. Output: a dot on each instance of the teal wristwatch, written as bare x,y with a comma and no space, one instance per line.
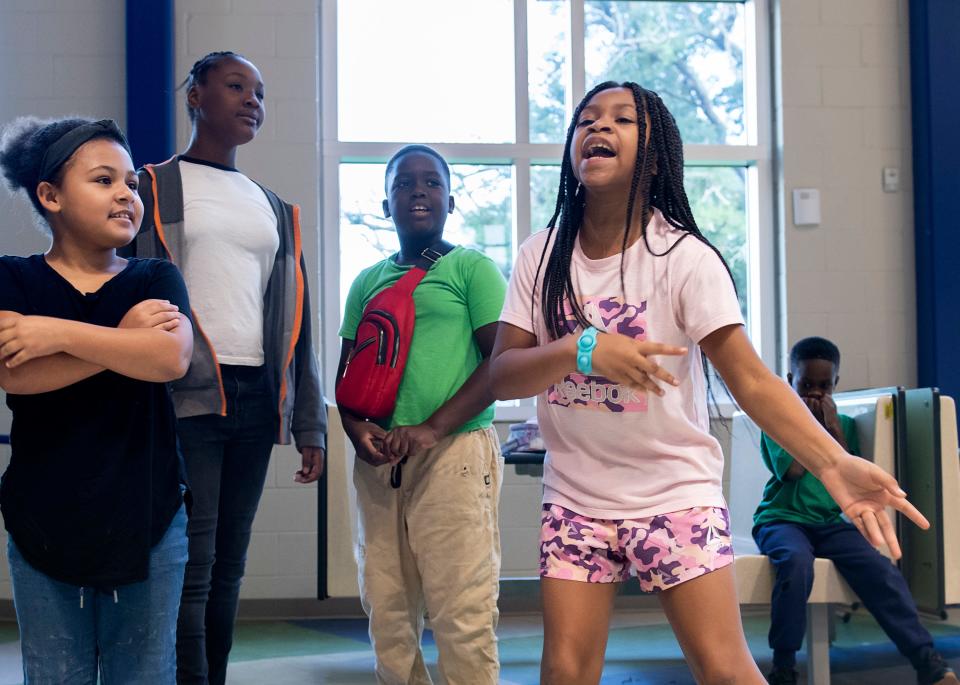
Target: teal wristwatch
585,344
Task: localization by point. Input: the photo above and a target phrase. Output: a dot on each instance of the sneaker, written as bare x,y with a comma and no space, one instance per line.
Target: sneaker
950,678
935,671
783,676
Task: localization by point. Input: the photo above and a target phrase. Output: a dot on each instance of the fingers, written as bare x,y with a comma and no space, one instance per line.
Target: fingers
389,451
903,505
162,318
876,527
889,534
887,482
19,358
653,369
311,466
649,349
149,314
872,528
898,498
9,348
173,324
397,445
375,430
372,451
641,380
7,335
150,307
155,303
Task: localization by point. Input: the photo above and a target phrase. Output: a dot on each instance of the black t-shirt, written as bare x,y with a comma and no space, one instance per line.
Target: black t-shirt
94,477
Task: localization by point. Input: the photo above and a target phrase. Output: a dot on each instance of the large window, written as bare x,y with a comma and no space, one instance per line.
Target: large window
492,84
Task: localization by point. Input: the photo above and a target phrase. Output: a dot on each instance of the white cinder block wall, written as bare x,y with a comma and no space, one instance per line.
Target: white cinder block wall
845,114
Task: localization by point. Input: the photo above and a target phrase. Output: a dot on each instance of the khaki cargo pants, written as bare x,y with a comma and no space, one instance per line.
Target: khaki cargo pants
433,546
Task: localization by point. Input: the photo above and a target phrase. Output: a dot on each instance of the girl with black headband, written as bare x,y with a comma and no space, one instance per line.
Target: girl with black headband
92,497
253,379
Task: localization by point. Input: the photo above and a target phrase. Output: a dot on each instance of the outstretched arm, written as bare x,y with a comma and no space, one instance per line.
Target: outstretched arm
861,489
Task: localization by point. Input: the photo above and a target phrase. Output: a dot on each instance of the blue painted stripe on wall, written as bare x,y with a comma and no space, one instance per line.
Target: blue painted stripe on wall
935,75
150,80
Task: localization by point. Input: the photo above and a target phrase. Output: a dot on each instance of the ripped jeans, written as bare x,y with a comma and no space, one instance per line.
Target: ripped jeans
129,637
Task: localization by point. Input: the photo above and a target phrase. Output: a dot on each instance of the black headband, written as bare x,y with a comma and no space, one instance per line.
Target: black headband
63,147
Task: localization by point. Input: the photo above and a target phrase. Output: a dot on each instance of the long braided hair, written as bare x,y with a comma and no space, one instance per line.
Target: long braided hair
198,73
657,182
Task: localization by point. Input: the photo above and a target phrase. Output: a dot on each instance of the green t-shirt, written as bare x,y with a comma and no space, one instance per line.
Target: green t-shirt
804,500
462,292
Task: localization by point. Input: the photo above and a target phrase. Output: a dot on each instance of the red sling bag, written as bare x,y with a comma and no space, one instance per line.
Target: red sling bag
374,367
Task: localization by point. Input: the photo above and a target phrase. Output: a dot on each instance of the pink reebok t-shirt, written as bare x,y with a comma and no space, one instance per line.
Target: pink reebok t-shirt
614,452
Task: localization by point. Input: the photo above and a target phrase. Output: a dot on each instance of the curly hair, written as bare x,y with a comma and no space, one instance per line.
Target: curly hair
23,143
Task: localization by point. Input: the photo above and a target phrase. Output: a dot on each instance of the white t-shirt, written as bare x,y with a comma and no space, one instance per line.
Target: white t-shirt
231,242
614,452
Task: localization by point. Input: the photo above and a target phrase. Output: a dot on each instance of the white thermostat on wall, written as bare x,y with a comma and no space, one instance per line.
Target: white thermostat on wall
806,207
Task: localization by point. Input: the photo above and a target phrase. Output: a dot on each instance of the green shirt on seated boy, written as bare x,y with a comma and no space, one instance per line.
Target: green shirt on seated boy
803,499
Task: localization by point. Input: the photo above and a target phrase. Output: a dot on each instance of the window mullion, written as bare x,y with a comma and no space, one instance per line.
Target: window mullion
328,300
578,70
521,80
522,210
520,72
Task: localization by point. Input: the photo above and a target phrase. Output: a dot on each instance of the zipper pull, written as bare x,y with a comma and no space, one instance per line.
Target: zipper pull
81,598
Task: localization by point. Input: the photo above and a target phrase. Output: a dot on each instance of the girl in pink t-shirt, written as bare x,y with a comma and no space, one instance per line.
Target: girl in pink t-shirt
606,316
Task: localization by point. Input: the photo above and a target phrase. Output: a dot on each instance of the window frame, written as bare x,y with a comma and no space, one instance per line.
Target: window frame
757,157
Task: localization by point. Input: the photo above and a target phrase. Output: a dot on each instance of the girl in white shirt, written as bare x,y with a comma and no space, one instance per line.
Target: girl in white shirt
632,479
253,379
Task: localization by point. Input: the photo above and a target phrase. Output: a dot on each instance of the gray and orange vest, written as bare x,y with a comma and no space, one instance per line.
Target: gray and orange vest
289,356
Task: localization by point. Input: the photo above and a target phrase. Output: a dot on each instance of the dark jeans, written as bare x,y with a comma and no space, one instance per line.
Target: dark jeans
879,584
226,459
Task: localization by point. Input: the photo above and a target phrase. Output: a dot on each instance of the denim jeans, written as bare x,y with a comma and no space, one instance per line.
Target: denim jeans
877,582
226,459
128,636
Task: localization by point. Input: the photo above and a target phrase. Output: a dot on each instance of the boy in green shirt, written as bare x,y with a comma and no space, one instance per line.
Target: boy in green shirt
797,520
428,534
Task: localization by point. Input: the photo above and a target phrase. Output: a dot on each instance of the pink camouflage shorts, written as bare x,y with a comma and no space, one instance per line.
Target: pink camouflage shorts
665,550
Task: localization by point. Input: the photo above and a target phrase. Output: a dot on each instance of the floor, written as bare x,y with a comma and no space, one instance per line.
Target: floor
642,651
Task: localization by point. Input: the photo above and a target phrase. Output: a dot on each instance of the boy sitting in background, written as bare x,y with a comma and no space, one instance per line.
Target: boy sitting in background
797,520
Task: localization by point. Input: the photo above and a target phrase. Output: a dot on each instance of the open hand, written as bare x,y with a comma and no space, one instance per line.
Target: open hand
862,490
152,314
23,338
625,360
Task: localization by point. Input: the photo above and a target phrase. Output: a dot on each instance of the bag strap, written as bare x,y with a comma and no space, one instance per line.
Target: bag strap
410,280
